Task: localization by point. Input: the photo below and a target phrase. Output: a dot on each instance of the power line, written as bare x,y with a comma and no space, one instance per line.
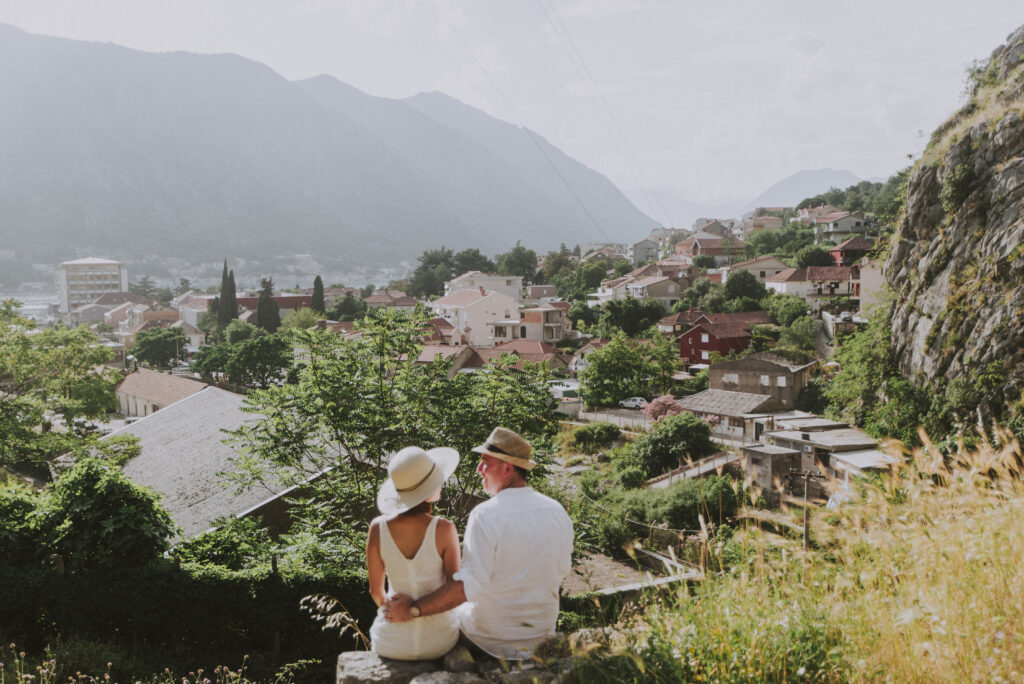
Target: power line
589,81
522,125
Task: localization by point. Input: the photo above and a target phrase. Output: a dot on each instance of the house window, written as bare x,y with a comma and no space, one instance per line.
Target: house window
780,381
762,274
766,381
499,331
703,337
731,378
689,340
703,356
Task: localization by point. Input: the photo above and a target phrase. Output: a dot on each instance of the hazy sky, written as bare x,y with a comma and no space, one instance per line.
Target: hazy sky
716,100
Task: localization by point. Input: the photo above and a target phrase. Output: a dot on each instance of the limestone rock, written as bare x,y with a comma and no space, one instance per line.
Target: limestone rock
442,677
957,262
459,659
366,667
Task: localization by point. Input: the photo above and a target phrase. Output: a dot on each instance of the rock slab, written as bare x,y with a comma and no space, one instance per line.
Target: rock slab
366,667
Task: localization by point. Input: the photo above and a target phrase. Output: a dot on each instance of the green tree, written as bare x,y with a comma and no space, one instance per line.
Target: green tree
97,518
317,303
663,355
144,288
801,334
471,260
673,441
630,315
268,313
348,308
367,290
239,330
211,361
183,286
614,372
231,297
519,261
300,318
704,261
52,375
160,346
744,284
355,402
430,275
784,308
812,255
259,361
224,310
164,295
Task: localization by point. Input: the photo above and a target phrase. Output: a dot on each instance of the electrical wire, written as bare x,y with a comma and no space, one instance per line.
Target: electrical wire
532,136
607,117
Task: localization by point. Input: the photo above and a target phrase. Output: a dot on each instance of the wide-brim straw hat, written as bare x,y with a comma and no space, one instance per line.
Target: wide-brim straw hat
413,475
508,446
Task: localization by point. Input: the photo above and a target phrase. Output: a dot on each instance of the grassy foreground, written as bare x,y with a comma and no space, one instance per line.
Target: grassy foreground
920,580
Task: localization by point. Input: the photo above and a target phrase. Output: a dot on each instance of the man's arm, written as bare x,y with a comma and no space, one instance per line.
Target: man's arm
449,596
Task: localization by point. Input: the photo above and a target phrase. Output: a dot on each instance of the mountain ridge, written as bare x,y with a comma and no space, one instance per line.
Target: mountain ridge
131,152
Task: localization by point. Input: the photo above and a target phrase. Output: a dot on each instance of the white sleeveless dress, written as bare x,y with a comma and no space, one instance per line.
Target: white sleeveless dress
423,638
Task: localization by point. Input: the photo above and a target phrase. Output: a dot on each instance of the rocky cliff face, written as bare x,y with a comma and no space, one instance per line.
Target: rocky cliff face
957,261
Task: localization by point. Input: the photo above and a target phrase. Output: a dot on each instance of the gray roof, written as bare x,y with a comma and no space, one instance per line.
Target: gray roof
768,449
182,452
844,439
866,459
726,403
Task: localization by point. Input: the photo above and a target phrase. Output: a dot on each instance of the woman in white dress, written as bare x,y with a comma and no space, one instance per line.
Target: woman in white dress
417,551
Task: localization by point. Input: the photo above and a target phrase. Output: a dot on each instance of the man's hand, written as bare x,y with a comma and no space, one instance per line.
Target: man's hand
396,609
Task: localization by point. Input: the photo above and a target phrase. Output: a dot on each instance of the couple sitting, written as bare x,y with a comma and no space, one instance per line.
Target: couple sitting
503,594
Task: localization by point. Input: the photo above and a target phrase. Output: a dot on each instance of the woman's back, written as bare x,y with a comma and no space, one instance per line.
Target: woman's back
414,566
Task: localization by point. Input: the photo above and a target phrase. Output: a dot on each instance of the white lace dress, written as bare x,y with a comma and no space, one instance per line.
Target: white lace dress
423,638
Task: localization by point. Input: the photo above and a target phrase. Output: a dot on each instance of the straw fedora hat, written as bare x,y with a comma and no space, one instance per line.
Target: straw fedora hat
509,447
413,475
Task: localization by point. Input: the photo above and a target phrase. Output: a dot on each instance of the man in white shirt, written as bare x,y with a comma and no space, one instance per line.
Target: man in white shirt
516,552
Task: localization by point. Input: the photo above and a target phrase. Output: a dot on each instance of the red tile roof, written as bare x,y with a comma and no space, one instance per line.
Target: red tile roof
856,243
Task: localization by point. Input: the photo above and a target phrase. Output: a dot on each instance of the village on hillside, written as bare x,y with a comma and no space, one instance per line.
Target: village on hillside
738,367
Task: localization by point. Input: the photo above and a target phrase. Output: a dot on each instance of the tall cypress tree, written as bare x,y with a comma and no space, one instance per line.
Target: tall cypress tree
223,317
233,304
318,296
268,314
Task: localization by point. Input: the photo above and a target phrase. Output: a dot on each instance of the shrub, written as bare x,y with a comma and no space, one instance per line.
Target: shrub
678,506
956,186
235,544
18,525
96,517
631,478
591,438
671,442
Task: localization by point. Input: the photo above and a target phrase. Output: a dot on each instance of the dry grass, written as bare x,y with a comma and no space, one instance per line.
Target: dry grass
922,580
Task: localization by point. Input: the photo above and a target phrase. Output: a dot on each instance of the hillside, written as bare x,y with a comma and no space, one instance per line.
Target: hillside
802,184
130,153
956,265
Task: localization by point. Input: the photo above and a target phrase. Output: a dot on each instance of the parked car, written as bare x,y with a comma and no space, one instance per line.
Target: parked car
633,403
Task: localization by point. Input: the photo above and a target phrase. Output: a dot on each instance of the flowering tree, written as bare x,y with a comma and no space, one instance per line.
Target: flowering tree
662,406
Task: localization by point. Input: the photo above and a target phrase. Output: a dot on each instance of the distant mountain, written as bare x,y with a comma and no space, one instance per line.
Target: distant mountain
680,213
791,190
200,156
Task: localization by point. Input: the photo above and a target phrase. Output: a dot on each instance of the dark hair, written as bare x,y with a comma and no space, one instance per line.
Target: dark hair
422,507
521,472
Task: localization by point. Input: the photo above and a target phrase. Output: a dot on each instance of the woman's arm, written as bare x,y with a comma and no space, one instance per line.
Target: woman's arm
448,547
375,564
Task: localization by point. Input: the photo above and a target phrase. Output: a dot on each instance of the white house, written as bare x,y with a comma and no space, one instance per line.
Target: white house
791,281
470,311
511,286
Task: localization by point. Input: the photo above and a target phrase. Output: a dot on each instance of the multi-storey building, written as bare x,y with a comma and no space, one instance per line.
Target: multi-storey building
83,281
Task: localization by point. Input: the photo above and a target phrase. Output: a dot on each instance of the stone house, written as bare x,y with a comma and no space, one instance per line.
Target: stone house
643,251
763,373
728,413
664,290
839,226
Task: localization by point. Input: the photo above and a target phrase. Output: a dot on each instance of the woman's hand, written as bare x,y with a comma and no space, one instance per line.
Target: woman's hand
396,608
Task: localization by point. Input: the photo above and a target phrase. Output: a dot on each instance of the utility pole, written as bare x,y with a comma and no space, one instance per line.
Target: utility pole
807,475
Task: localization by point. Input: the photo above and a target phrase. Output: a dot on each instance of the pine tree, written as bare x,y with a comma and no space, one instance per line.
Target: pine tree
318,296
268,314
